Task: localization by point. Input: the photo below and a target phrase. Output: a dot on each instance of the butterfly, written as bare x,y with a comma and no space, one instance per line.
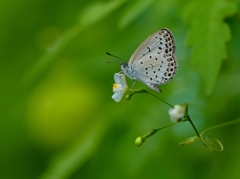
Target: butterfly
154,61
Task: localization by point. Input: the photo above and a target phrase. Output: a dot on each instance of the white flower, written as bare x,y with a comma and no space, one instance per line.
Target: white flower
119,87
176,113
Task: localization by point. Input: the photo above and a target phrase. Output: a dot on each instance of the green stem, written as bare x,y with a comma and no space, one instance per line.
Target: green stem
195,129
187,118
153,131
160,99
208,140
132,92
222,125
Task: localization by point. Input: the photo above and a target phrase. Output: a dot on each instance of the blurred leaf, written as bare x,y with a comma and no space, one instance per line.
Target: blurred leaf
134,11
208,35
98,11
92,14
49,56
66,163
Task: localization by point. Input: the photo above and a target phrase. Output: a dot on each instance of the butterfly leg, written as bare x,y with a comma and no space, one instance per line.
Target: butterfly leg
133,85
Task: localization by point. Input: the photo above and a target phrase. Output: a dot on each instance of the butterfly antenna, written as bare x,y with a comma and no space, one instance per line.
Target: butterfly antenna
115,57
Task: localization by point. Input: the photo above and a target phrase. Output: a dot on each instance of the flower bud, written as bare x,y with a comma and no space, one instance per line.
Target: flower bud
139,141
177,113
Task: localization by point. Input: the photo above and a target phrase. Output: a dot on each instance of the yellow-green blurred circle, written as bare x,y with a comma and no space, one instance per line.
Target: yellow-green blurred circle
58,108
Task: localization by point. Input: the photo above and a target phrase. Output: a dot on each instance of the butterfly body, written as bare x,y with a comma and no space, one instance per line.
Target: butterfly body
154,61
128,71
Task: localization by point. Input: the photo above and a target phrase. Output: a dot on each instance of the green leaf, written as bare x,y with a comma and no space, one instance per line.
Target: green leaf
208,35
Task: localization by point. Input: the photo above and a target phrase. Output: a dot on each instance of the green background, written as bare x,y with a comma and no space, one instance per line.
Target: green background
57,116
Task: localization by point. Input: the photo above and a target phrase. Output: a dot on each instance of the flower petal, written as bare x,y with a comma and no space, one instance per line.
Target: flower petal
117,97
176,113
117,77
123,81
119,89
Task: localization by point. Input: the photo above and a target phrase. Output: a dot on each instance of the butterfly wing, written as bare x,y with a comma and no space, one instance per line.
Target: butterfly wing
154,60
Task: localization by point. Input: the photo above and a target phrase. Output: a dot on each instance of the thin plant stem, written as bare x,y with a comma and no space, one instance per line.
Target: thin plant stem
160,99
153,131
222,125
195,129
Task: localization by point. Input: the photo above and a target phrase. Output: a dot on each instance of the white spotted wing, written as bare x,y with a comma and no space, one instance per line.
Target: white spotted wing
154,61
